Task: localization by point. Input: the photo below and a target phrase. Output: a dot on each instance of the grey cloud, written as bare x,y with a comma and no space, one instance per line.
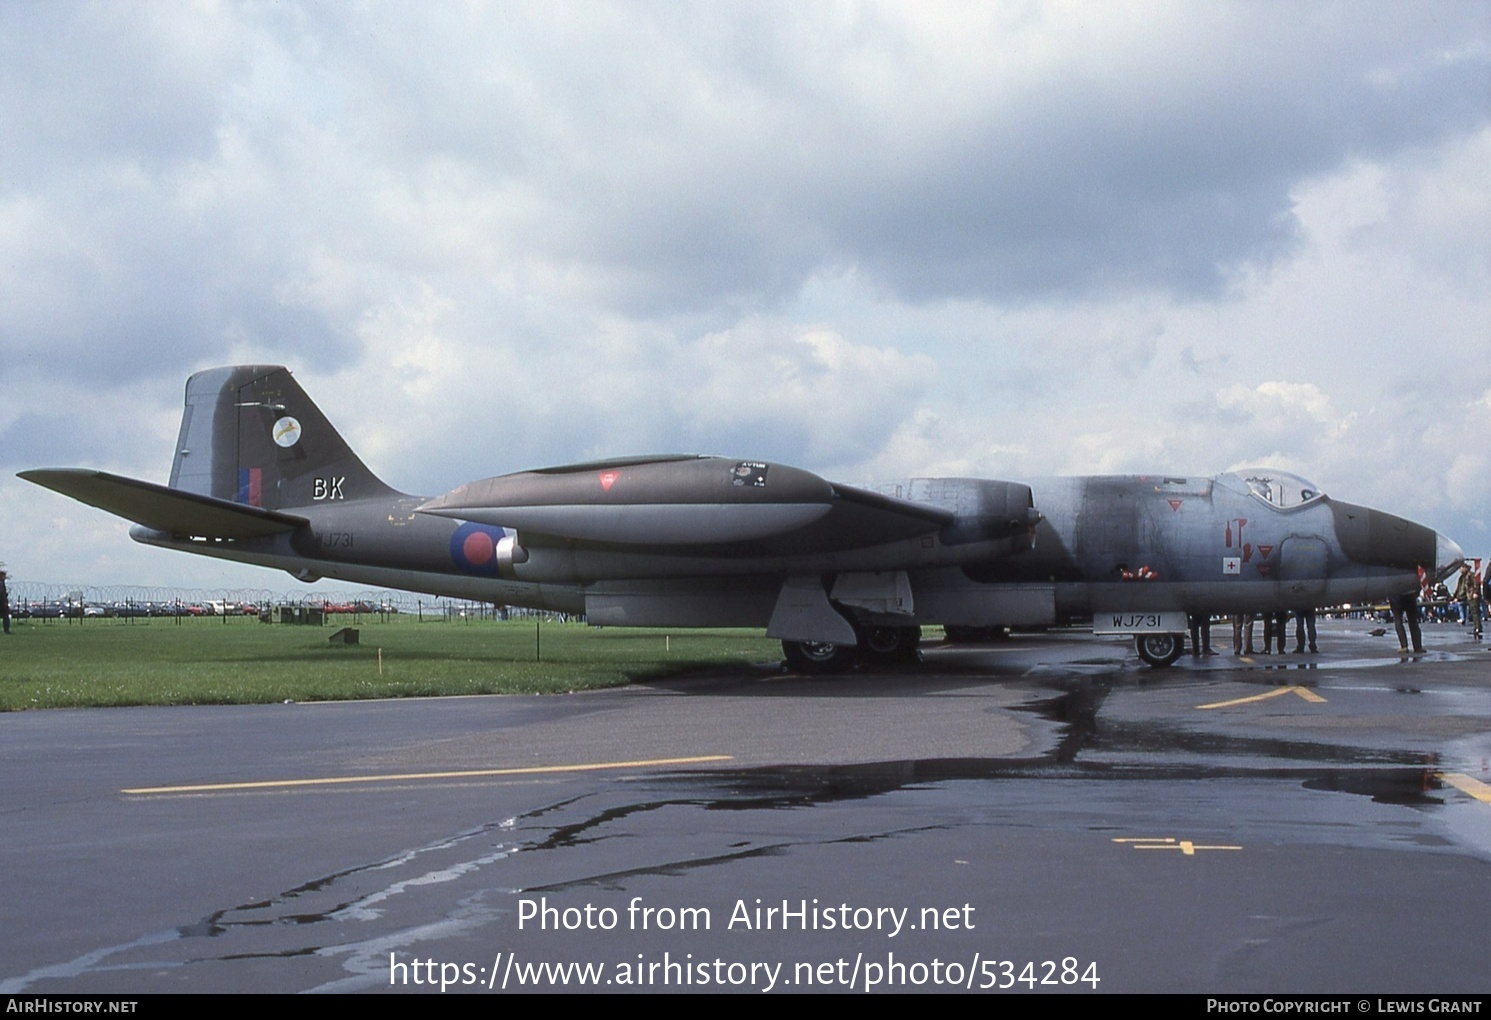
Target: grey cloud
132,83
1162,173
991,186
665,161
115,294
57,438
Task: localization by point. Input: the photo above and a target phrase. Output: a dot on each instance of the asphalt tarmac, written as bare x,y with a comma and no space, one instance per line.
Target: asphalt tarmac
1043,814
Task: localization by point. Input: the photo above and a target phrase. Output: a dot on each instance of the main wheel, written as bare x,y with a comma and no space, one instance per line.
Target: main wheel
1160,649
891,644
818,656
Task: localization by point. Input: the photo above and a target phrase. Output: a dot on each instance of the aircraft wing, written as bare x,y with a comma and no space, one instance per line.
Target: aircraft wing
899,517
928,514
162,508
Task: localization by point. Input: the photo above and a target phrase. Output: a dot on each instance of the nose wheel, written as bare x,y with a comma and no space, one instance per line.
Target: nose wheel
1160,649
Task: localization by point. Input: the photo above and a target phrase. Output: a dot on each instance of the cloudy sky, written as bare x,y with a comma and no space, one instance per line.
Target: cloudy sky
871,240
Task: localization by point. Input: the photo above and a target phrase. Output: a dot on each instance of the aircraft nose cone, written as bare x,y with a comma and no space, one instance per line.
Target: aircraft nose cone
1447,556
1385,540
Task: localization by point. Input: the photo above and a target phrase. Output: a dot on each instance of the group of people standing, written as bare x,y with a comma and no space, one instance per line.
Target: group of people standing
1275,633
1472,594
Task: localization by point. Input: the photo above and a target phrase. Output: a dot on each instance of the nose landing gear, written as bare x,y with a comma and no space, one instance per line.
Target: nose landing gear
1160,649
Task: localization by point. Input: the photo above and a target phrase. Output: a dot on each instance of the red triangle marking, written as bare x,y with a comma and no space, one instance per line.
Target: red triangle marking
1263,569
608,479
1174,503
1264,550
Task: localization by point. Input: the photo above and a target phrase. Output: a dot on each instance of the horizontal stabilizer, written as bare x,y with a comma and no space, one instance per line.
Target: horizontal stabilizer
162,508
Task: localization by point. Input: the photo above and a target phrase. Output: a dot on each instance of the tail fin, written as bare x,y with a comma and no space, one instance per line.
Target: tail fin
251,435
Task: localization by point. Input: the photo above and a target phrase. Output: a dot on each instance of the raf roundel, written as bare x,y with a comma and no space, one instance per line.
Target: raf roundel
286,432
473,548
477,548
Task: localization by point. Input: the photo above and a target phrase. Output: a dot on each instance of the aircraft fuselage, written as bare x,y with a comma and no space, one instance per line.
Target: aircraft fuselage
260,476
1103,544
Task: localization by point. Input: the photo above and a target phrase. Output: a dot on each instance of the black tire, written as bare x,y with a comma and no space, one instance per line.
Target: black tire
818,656
891,644
1160,649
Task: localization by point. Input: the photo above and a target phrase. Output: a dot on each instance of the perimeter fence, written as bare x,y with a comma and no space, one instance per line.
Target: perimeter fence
128,603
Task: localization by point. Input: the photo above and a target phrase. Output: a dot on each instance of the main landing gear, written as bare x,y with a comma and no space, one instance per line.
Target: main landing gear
877,646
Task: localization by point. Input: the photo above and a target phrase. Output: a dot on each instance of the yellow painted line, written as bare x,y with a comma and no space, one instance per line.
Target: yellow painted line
1303,692
1252,697
414,776
1185,846
1467,784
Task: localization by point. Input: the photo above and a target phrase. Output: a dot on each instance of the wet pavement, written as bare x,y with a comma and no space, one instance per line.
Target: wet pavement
1043,814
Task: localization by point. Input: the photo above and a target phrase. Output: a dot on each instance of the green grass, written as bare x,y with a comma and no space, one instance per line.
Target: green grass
57,664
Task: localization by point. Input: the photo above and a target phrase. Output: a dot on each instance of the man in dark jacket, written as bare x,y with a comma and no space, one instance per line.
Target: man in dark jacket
1406,610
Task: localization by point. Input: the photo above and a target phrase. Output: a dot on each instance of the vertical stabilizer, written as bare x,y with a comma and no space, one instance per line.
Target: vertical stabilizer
250,434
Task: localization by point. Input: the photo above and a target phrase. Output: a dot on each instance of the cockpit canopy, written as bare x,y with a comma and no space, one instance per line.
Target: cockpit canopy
1279,489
